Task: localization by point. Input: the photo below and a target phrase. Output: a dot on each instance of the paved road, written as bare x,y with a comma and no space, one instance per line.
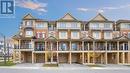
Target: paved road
56,70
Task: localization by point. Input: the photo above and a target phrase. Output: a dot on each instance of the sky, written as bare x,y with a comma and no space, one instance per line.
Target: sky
55,9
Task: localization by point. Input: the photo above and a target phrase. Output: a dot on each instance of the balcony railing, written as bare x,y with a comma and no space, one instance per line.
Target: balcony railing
39,49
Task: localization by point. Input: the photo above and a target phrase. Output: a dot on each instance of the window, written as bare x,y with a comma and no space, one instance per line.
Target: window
63,35
74,25
75,35
107,35
95,26
63,46
41,25
40,35
96,35
62,25
107,26
29,33
128,34
125,26
74,46
29,23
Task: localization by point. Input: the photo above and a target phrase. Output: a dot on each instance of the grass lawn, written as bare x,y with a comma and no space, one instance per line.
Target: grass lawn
50,65
8,63
95,65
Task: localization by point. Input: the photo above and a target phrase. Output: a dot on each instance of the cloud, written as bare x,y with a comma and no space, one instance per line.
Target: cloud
100,11
82,9
103,9
32,4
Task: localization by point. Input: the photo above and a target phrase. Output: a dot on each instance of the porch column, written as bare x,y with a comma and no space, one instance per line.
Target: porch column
123,53
57,46
46,57
19,42
82,57
32,42
45,45
32,58
118,52
88,46
88,58
128,45
106,53
117,57
118,46
123,58
70,46
70,58
82,45
57,57
94,51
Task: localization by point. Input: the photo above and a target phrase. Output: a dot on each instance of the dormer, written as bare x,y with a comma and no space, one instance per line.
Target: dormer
68,22
28,20
100,22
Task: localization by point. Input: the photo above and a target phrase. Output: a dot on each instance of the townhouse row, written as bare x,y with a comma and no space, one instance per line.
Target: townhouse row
69,40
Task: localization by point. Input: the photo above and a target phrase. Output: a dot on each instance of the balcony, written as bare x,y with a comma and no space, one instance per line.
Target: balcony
39,49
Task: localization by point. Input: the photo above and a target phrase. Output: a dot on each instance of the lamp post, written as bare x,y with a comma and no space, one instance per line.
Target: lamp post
4,47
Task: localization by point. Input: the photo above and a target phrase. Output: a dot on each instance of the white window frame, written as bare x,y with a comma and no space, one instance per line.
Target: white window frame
28,33
63,35
74,35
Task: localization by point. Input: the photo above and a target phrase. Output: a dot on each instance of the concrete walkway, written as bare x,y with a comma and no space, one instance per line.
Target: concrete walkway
65,66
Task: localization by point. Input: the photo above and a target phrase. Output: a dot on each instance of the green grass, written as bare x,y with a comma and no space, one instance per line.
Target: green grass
95,65
8,63
50,65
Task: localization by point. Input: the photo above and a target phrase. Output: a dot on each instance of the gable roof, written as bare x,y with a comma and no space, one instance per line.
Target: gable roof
99,17
28,16
67,17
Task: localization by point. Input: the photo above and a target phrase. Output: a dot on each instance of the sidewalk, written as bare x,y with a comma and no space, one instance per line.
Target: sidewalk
65,66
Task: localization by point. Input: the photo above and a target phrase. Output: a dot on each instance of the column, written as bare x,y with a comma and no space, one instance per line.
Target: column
93,51
19,42
118,46
128,45
123,58
46,57
57,58
106,53
70,58
88,46
70,46
117,57
88,58
82,45
32,58
51,45
45,45
32,42
57,46
82,57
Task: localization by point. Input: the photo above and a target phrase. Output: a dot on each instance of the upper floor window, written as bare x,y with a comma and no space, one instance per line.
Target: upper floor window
74,46
63,35
75,35
29,23
125,26
107,26
40,35
29,33
68,25
96,35
107,35
41,25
